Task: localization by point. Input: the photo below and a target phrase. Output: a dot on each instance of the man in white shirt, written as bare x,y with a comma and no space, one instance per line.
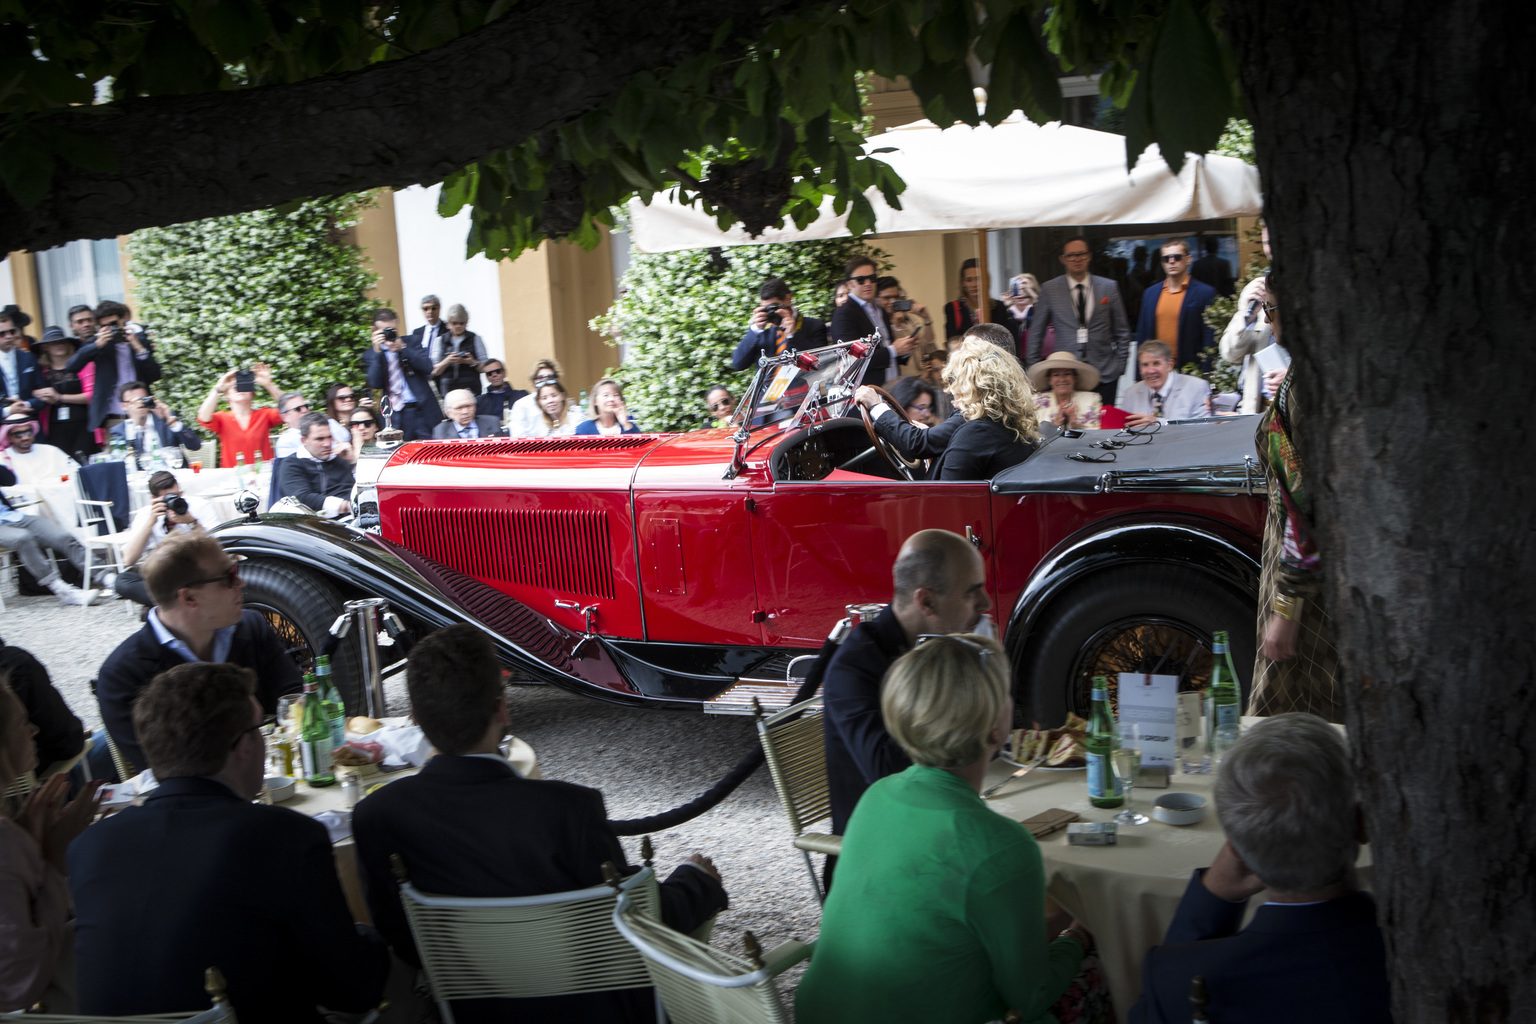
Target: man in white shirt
1248,332
147,432
37,540
153,524
32,462
1162,394
293,406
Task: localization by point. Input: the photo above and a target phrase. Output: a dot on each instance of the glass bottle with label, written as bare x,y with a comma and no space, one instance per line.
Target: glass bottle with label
1103,788
335,710
315,739
1224,691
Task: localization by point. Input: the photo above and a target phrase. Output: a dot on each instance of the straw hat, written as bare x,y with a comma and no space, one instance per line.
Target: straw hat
1039,374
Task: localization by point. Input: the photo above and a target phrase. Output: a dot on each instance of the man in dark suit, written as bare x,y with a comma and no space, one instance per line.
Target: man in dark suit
1214,270
462,420
1088,315
777,327
424,336
19,375
316,474
145,431
1313,952
121,353
469,825
1173,309
198,616
861,316
498,396
199,876
939,585
404,373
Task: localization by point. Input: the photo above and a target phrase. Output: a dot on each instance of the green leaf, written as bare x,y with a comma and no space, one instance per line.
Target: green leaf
946,35
632,172
1188,89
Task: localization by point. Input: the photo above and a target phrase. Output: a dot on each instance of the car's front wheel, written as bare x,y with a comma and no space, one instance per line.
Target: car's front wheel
1145,618
301,605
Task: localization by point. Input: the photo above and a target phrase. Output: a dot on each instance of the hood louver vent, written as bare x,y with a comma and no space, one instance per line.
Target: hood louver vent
564,551
429,451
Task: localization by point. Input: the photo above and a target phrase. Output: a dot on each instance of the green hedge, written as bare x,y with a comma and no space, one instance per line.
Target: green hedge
283,287
682,313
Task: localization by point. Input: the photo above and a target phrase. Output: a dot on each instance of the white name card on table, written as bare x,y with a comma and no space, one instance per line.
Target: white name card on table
1152,703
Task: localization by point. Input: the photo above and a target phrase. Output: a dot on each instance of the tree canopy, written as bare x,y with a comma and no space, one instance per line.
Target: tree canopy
542,115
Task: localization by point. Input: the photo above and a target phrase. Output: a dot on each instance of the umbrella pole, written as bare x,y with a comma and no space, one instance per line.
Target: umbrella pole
984,284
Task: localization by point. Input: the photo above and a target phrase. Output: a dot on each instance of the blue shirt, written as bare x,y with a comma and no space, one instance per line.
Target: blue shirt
222,638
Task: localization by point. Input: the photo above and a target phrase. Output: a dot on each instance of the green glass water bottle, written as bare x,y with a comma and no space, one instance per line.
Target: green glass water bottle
1224,691
335,710
315,738
1103,788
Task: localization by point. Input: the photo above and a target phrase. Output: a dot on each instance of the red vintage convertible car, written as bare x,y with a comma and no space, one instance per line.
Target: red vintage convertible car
691,568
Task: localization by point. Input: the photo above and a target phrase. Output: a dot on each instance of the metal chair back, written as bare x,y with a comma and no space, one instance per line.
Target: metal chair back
795,749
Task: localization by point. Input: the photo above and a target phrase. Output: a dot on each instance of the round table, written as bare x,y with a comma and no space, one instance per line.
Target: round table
218,487
1126,894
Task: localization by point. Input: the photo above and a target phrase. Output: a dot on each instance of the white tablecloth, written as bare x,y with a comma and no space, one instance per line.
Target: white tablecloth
218,487
1126,894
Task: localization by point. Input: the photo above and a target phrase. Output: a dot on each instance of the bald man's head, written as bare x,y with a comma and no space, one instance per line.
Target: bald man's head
940,578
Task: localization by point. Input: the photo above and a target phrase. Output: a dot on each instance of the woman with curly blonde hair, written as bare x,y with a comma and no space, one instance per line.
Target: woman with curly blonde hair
995,424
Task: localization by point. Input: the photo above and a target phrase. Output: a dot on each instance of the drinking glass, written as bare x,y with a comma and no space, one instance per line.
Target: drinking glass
1126,762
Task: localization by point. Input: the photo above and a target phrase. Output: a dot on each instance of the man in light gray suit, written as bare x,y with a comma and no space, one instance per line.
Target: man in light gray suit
1089,318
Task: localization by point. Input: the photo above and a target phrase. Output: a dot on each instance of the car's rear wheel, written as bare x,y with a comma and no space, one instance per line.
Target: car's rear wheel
301,606
1145,618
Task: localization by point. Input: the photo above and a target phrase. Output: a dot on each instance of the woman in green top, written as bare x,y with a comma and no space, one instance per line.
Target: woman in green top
938,914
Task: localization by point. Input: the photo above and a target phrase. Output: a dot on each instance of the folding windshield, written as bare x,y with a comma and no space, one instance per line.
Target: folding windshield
804,387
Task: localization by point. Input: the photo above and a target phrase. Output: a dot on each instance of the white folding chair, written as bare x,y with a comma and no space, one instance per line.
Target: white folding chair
90,515
522,947
795,748
700,984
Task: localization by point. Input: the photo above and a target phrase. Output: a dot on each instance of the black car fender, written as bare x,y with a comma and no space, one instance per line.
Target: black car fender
1209,547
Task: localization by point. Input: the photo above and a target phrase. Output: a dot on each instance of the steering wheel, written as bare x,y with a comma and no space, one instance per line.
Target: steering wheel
906,467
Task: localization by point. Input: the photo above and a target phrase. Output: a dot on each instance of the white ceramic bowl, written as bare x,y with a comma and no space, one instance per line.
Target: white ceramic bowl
1179,808
279,788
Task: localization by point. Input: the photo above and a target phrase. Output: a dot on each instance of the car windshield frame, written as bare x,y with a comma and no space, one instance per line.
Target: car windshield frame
798,388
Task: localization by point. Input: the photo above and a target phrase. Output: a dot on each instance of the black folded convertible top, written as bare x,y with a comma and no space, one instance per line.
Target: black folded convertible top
1212,455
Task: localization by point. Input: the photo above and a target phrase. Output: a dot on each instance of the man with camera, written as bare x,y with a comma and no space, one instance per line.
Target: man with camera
777,327
121,353
245,431
316,475
168,513
151,425
404,373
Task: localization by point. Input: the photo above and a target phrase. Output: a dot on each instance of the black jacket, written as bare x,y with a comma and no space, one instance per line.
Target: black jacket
145,369
859,750
141,657
754,344
312,481
850,323
415,366
962,449
198,878
470,826
59,733
488,426
496,403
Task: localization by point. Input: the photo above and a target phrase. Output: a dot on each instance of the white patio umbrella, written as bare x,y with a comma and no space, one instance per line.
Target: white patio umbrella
1014,175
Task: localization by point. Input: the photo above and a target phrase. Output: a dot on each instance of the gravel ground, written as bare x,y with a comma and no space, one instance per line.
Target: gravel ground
645,761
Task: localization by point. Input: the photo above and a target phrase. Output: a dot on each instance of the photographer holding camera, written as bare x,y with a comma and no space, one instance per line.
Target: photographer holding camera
403,372
457,355
777,327
243,430
910,322
120,353
168,513
151,425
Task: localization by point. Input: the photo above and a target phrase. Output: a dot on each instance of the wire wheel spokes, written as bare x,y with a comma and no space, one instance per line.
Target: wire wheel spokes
1141,647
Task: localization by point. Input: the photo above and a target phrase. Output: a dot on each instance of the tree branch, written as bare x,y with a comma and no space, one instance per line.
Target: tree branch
393,124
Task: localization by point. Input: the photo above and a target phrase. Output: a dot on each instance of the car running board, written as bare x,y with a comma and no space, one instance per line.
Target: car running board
772,694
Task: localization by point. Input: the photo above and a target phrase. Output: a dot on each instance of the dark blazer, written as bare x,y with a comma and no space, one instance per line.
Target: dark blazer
140,658
417,368
496,403
1109,332
859,750
754,344
1195,335
59,733
471,826
186,437
1322,963
850,323
418,337
312,481
28,379
105,386
489,426
199,878
962,449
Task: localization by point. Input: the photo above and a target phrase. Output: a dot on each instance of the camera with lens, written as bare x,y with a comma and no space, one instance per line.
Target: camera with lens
118,336
175,504
147,402
901,306
773,307
390,334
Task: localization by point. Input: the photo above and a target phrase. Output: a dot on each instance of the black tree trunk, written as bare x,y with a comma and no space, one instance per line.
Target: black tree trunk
1396,145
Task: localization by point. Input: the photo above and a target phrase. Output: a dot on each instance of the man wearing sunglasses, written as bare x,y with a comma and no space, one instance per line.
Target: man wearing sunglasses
1173,309
939,585
861,316
120,352
499,395
293,407
18,368
199,615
